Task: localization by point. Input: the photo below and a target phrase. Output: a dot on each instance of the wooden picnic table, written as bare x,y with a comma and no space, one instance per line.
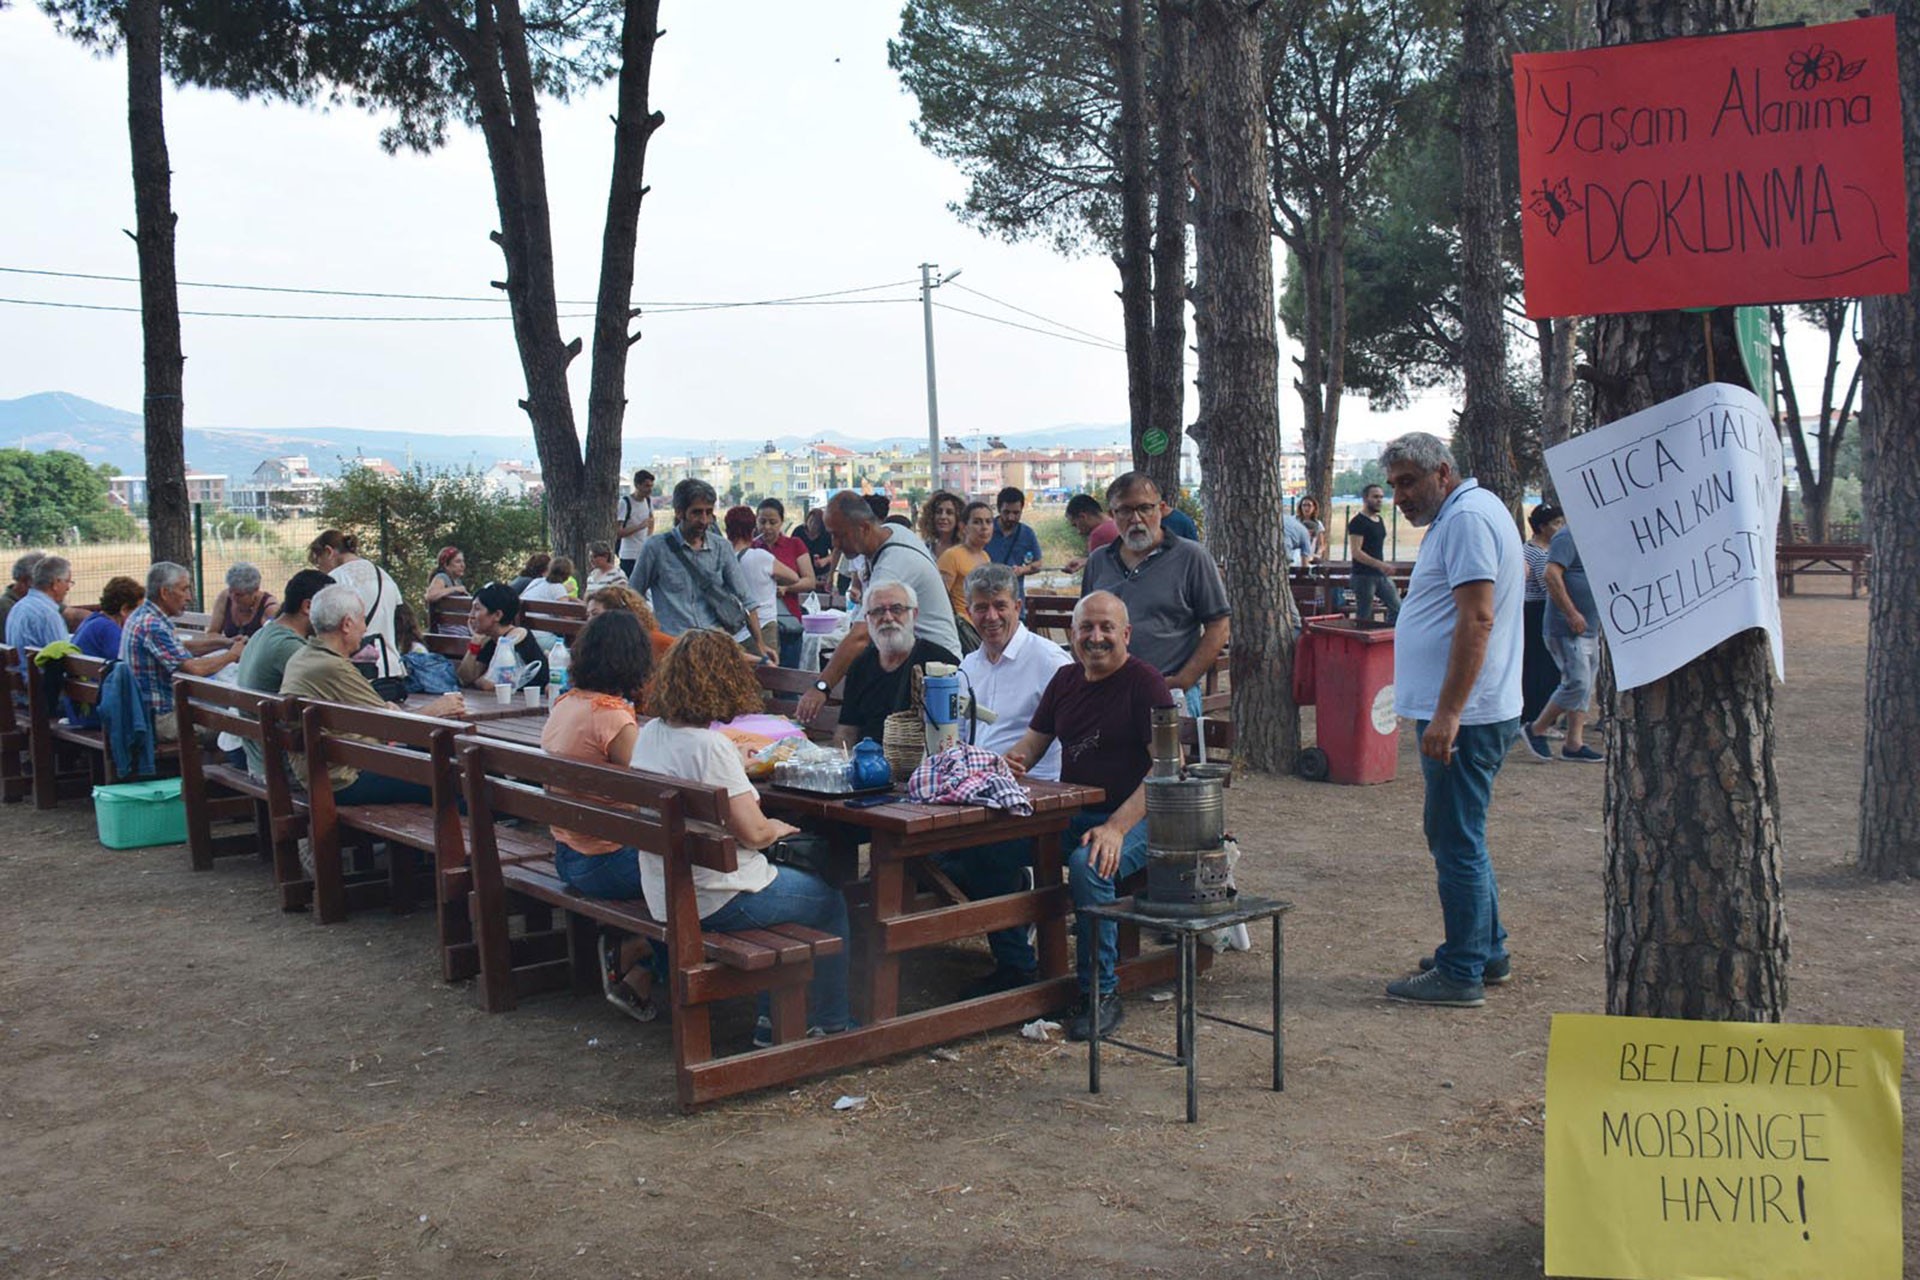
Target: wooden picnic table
483,708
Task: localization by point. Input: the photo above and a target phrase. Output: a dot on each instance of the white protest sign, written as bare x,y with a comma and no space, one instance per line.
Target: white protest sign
1675,511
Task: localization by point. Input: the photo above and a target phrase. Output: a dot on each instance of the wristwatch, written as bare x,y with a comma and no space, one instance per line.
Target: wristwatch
822,686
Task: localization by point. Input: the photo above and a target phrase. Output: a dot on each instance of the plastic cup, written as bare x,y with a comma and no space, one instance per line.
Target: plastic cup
532,695
503,694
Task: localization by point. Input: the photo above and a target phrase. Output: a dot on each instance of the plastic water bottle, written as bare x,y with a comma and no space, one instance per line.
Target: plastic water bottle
557,662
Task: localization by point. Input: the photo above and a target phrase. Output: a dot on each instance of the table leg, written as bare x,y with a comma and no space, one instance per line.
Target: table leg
889,903
1279,1042
1048,853
1093,1053
1188,943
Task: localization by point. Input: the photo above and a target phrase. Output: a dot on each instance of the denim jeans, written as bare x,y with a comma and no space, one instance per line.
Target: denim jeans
378,788
795,897
613,875
1578,657
988,872
1365,587
1086,886
1455,818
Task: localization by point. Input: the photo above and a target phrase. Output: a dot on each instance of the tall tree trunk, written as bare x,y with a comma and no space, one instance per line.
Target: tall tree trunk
1559,351
169,516
1218,530
1135,256
1890,486
590,517
1485,424
1242,441
1696,927
1167,403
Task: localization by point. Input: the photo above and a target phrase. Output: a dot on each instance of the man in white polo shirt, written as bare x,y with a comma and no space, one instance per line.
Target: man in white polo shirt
1011,668
1457,658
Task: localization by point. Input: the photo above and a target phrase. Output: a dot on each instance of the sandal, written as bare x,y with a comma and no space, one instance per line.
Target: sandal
613,984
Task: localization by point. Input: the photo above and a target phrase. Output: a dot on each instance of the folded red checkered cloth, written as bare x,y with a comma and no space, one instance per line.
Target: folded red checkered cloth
968,775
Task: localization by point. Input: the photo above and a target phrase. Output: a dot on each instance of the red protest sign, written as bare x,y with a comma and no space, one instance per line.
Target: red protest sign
1754,167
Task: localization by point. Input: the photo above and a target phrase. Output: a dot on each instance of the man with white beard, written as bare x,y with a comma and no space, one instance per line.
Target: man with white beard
1171,588
880,681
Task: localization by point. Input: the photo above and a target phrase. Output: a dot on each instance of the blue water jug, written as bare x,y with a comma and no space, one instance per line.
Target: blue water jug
870,768
942,693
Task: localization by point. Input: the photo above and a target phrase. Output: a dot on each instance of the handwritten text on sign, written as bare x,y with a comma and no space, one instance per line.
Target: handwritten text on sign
1675,510
1725,1149
1754,167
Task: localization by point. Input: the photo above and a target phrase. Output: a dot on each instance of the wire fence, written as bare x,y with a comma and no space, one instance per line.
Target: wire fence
278,550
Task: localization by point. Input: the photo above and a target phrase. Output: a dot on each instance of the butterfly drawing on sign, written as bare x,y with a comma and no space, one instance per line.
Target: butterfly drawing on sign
1554,201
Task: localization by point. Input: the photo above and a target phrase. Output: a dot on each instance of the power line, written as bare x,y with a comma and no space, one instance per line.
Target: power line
565,315
1097,337
1102,344
449,297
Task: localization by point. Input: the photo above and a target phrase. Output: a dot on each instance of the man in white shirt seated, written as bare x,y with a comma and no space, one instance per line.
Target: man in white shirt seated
1011,668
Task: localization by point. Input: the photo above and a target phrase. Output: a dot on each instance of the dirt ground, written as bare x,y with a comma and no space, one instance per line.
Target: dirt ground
193,1084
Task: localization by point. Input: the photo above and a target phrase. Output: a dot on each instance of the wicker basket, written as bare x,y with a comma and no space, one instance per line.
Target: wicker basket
904,743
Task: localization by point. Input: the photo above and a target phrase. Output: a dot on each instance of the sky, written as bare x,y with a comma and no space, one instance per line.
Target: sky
787,166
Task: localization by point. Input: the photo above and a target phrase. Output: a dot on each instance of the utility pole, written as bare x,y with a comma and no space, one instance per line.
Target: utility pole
928,283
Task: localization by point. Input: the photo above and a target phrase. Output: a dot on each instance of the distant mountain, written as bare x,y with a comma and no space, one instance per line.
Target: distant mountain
100,433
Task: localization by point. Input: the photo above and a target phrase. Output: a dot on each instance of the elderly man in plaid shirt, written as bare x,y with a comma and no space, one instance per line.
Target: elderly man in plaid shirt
154,651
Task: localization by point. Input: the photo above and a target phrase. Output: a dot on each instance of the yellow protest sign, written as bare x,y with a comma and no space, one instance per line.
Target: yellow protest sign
1722,1150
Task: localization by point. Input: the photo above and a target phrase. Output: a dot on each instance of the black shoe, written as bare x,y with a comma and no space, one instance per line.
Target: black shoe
1003,978
1435,987
1498,973
1112,1012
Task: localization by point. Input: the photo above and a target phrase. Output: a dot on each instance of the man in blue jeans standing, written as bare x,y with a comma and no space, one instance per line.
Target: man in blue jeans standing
1457,658
1100,709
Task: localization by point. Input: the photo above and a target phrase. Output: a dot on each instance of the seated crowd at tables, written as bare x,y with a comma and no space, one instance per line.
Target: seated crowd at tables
643,697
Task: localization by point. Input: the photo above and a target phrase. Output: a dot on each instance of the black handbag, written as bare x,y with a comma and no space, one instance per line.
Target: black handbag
804,851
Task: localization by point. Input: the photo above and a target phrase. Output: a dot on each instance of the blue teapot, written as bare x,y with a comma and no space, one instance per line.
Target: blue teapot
870,767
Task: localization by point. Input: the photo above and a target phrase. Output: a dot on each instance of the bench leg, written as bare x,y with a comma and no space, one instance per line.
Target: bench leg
583,949
789,1015
692,1043
329,879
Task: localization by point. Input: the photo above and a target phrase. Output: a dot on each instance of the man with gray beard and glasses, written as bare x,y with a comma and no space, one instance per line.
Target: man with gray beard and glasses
880,681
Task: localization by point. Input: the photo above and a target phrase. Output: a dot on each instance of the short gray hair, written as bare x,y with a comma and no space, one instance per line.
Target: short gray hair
905,589
163,575
1082,603
991,580
335,605
1426,452
243,577
690,491
23,567
1127,481
852,507
49,570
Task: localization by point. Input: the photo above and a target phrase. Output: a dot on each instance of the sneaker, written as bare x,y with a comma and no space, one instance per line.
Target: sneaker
1537,745
1584,754
763,1032
1112,1013
1498,973
1003,978
1435,987
621,996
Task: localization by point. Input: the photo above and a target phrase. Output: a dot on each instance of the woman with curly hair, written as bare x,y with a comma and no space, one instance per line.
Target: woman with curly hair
702,680
594,721
940,523
627,600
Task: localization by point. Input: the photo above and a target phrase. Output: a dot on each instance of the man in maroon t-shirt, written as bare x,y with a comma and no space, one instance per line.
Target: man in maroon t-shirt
791,552
1101,710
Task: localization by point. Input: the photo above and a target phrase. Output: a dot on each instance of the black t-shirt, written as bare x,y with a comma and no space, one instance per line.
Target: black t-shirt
1372,532
526,650
1105,727
873,693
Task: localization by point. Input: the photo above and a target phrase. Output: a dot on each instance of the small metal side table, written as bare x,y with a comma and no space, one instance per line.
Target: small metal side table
1187,929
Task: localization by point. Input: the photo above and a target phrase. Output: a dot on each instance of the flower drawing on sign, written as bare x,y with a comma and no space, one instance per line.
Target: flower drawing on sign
1554,202
1816,64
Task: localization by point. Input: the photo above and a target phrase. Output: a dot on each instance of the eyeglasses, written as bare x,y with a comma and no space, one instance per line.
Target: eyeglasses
889,610
1140,512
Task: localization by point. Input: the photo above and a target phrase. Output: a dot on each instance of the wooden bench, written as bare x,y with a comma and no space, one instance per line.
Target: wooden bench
1822,559
54,746
417,749
214,790
15,783
682,823
785,687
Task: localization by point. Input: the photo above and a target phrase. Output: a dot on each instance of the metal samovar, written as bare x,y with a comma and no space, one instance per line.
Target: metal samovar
1187,869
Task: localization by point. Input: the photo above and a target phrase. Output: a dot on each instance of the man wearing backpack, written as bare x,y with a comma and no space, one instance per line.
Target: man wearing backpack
633,521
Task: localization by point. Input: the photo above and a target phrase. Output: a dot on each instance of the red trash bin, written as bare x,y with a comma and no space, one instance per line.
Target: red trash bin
1353,694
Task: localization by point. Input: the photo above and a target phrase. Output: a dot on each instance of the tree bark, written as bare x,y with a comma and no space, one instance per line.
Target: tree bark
1485,423
1167,403
1135,255
590,517
1242,440
1890,487
169,515
1559,352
